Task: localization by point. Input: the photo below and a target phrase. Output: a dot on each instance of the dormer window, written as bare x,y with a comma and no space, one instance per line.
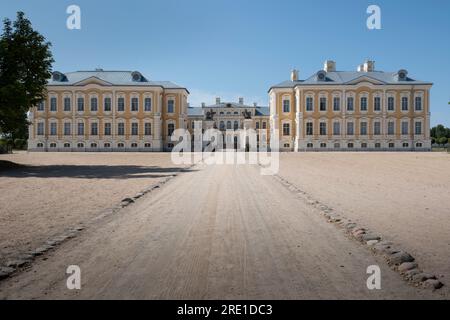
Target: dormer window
402,75
58,76
321,75
136,76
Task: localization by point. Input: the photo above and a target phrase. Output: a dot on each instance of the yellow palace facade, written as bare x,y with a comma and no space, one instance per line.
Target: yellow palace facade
351,111
107,111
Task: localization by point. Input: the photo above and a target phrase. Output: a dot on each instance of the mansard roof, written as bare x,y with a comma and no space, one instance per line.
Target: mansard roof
113,78
351,77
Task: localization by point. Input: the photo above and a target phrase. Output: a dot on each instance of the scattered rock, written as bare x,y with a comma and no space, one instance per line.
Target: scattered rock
411,273
127,200
16,263
350,226
41,250
358,232
372,242
406,266
5,272
369,237
423,277
399,257
433,284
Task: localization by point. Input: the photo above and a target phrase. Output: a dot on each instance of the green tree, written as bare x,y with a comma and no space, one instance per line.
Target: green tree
443,140
25,67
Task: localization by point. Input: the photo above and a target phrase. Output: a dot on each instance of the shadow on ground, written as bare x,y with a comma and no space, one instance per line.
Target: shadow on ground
89,172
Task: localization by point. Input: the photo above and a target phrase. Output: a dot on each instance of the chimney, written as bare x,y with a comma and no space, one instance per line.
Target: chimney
329,66
369,66
360,68
241,100
218,100
294,75
203,105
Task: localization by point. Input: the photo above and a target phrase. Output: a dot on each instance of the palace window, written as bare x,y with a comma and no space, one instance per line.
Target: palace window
418,128
391,104
350,104
221,125
147,145
120,145
236,125
377,145
107,145
121,104
107,104
336,128
148,129
391,145
228,125
264,125
323,128
309,145
41,106
53,104
121,129
419,145
350,145
80,104
170,129
80,128
309,129
405,126
67,129
93,145
363,103
40,129
94,129
363,129
377,104
323,145
40,145
134,145
418,103
66,145
53,128
377,128
52,145
257,125
336,104
170,106
134,104
66,104
107,129
134,129
337,145
309,104
404,103
364,145
323,104
286,129
148,104
405,144
391,128
94,104
350,129
286,106
80,145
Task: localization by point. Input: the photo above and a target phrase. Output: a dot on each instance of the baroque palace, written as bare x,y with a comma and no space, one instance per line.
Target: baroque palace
329,111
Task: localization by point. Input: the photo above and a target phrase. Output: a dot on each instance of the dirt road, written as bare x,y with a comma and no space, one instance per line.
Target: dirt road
220,232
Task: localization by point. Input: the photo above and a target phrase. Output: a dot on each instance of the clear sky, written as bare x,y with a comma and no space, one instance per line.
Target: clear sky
232,48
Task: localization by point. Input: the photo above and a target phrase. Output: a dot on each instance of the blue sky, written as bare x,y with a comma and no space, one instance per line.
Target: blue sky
233,48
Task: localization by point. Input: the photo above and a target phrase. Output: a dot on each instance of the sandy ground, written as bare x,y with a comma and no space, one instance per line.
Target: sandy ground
403,196
220,232
59,190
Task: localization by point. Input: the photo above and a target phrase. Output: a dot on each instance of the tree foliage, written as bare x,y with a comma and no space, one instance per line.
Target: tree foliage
25,67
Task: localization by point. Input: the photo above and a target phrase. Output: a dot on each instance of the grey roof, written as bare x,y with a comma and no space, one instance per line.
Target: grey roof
229,105
195,111
115,78
262,111
347,77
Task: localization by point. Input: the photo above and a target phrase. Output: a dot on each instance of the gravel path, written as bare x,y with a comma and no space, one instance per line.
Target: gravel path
222,232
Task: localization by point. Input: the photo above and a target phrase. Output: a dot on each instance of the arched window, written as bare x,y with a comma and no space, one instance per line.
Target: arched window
107,145
66,145
236,125
52,145
134,145
228,125
222,125
93,145
40,145
148,145
80,145
170,129
120,145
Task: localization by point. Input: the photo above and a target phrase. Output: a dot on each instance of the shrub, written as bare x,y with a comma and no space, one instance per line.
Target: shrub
20,144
